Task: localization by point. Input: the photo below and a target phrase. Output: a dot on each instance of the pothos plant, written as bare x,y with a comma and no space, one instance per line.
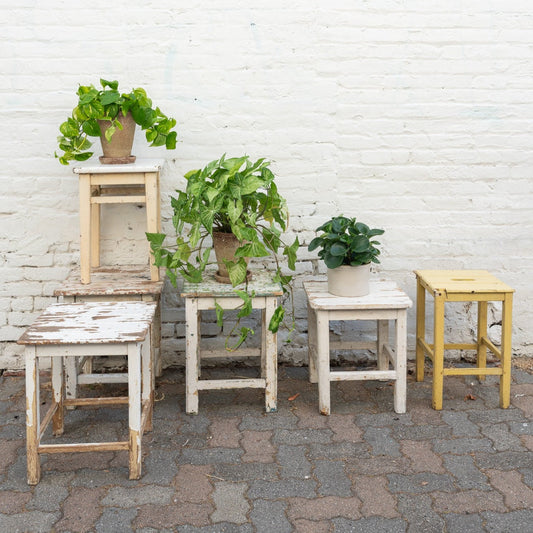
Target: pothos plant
237,196
107,103
344,241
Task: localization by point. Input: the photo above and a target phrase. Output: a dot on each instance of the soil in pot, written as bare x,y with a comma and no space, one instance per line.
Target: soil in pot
118,150
225,245
349,281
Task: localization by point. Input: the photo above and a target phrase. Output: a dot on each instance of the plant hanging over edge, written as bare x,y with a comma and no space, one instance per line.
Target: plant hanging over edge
235,196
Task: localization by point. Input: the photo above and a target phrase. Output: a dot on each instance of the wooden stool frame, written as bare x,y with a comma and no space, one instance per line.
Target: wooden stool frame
463,286
115,184
134,344
203,296
385,302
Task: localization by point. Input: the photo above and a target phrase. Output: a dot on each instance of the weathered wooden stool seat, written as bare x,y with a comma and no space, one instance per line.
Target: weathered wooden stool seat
89,329
385,302
111,284
463,286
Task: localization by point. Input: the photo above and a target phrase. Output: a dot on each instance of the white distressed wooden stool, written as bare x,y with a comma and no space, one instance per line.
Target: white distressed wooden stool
93,329
111,284
115,184
385,302
203,296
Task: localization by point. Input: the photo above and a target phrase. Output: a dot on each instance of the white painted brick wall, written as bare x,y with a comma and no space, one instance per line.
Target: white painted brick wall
413,116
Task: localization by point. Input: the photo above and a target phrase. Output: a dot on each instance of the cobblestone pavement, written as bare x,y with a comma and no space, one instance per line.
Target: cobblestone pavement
233,468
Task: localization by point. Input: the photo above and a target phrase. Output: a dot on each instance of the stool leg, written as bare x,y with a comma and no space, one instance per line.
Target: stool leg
438,351
152,215
383,338
95,235
506,350
32,416
57,393
134,409
147,394
191,356
85,228
481,333
420,329
271,359
324,385
71,377
311,344
400,385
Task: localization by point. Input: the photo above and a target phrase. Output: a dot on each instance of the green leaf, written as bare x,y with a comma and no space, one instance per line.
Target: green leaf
252,249
291,252
360,244
333,261
246,309
111,84
220,315
236,271
276,320
110,97
315,243
91,127
155,240
251,185
338,248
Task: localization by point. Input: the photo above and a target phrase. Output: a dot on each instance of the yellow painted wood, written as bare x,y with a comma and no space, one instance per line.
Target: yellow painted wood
463,286
506,351
438,351
420,329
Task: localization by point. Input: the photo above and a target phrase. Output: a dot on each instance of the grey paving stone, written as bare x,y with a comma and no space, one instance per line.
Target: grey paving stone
287,488
160,466
418,513
293,461
270,422
513,522
420,483
269,517
246,471
460,523
130,497
295,437
381,441
32,521
460,423
345,451
218,528
502,438
462,445
370,525
230,504
115,520
210,456
332,479
522,428
383,419
503,460
465,472
50,493
527,474
495,416
421,432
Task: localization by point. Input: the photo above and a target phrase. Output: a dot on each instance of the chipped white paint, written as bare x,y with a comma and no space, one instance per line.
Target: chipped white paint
89,329
83,323
204,296
385,302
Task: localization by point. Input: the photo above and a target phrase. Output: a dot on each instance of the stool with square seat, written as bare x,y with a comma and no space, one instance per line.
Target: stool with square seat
64,331
385,302
463,286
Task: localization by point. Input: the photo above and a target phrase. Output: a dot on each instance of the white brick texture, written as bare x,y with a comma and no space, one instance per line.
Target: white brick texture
412,116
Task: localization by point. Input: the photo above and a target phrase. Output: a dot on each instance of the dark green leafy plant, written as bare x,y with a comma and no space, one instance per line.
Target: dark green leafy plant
233,196
106,104
344,241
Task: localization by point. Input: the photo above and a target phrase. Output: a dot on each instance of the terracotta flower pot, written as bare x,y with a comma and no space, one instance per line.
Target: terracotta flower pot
225,245
349,281
118,150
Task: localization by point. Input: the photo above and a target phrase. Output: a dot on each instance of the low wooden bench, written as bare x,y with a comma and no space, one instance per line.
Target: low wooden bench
89,329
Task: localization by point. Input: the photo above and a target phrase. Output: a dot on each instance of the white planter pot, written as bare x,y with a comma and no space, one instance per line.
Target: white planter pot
349,280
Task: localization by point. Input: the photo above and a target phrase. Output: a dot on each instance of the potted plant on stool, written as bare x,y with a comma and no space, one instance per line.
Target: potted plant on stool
234,204
347,249
112,116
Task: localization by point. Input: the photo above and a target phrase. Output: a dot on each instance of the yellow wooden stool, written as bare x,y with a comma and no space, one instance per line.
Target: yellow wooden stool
463,286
